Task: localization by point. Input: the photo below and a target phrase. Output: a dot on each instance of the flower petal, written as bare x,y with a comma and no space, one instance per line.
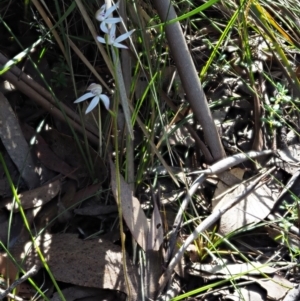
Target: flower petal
84,97
112,20
111,10
100,13
112,33
95,88
93,104
103,27
105,101
118,45
101,40
124,36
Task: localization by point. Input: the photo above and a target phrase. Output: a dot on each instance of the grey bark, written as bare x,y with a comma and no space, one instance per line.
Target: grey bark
189,78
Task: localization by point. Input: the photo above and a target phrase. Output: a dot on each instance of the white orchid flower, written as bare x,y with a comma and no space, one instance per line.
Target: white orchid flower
105,25
102,14
105,16
112,40
96,92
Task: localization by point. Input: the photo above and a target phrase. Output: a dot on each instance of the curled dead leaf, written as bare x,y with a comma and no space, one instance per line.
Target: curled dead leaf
36,197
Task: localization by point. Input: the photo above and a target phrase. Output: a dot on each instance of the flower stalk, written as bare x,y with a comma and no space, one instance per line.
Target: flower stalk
108,27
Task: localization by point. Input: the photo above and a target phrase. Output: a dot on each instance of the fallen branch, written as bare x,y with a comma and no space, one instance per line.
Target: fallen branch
216,168
229,162
209,221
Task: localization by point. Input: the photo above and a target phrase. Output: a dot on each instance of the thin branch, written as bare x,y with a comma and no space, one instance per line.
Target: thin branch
189,78
229,162
215,169
28,274
209,221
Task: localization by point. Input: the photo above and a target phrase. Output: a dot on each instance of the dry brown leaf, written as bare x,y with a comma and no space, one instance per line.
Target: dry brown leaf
50,210
228,179
276,286
293,294
46,215
290,155
254,208
36,197
46,155
9,273
248,268
156,233
66,148
91,263
232,177
133,214
153,255
51,161
7,268
15,144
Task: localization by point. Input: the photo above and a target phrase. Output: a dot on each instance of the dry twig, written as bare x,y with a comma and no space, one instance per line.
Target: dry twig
28,274
209,221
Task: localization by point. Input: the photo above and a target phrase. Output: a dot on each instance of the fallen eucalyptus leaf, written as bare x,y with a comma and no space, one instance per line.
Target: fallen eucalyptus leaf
16,145
276,286
94,263
156,234
36,197
133,214
254,208
249,268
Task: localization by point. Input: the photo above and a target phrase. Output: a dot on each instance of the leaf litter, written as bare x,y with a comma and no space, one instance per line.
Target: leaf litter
58,156
148,233
89,263
35,197
254,208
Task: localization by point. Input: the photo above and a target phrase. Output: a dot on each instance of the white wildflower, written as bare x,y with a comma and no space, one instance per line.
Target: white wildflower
106,24
96,93
102,14
112,40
